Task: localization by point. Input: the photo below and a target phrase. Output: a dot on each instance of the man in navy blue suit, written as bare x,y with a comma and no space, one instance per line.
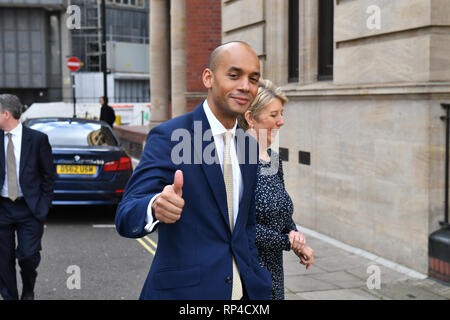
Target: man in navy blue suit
26,182
195,185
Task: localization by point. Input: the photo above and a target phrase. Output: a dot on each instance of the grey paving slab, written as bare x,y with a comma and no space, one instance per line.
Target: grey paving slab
343,294
289,256
338,274
292,296
407,291
325,250
375,293
341,279
306,283
295,268
338,263
436,287
387,275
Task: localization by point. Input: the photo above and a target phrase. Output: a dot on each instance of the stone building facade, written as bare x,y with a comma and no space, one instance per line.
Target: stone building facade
370,131
363,142
182,35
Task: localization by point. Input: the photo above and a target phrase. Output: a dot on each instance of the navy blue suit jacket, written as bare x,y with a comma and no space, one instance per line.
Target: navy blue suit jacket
36,173
194,255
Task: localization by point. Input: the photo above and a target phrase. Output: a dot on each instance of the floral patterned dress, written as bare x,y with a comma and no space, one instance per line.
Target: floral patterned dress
274,210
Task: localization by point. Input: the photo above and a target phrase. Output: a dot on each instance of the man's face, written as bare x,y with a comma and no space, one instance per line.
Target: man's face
102,101
4,116
234,83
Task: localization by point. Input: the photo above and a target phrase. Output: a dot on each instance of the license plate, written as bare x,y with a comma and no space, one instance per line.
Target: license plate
75,169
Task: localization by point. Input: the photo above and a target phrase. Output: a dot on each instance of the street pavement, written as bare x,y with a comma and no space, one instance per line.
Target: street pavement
84,258
341,272
84,243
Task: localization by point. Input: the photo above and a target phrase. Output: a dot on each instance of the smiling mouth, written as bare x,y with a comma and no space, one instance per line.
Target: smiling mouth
241,100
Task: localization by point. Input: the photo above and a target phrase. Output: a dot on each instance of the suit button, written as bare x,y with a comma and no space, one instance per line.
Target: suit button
228,280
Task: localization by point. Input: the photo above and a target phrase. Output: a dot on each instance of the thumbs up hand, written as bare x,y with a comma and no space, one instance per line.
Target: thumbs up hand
178,182
168,206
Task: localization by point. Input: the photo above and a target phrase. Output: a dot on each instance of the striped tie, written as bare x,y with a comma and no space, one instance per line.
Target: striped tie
236,292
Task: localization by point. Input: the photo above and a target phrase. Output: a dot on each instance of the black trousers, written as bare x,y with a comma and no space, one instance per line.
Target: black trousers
16,218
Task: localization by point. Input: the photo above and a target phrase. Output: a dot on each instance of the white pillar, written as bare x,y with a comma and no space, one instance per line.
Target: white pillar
159,62
308,41
178,56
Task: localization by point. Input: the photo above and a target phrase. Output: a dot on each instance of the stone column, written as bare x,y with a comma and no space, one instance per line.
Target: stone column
276,13
159,62
308,42
178,56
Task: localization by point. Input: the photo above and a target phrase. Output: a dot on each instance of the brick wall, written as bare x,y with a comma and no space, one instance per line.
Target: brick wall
192,103
203,34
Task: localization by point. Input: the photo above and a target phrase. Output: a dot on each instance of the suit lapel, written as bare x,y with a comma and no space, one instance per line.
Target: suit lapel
25,148
213,171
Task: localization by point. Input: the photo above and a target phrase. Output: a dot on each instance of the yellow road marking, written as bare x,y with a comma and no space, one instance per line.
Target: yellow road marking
150,241
146,246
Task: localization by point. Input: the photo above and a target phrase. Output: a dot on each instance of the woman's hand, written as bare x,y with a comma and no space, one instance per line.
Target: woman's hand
306,256
298,240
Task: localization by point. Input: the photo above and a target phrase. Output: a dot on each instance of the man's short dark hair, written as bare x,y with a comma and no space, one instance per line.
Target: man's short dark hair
11,103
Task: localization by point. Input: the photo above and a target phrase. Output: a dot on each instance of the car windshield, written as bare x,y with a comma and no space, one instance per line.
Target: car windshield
75,133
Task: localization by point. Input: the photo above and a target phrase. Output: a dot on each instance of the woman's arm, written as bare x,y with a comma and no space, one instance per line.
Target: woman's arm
269,240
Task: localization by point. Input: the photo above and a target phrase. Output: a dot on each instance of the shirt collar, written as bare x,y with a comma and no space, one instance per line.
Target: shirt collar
16,131
217,127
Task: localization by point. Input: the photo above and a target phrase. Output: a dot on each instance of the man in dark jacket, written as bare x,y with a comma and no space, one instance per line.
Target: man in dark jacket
26,182
107,113
206,231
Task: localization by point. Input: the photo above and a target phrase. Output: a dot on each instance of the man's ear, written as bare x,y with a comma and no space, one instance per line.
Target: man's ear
7,114
207,78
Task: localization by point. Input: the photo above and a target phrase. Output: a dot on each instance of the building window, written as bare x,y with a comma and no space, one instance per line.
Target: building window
128,3
293,52
326,44
128,90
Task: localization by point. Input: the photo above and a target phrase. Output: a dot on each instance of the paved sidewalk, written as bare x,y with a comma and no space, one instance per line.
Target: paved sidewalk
340,272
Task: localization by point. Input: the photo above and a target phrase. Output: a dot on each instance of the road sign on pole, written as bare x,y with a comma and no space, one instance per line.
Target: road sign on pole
74,64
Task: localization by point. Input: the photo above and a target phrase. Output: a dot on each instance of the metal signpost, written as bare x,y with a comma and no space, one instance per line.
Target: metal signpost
74,64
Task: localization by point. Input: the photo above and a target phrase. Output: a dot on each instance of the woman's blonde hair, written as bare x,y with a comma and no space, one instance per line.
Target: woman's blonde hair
267,91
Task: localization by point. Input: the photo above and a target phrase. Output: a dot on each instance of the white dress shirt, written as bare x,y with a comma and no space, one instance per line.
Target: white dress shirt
16,136
217,130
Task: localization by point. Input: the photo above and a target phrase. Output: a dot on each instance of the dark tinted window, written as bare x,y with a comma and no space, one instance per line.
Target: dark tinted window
326,44
73,133
293,52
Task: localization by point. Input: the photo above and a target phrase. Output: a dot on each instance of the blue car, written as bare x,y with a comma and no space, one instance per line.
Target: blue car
91,167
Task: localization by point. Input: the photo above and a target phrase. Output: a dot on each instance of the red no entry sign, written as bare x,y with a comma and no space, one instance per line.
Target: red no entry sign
74,64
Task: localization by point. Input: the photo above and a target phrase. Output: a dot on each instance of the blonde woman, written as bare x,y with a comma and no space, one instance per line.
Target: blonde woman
275,229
